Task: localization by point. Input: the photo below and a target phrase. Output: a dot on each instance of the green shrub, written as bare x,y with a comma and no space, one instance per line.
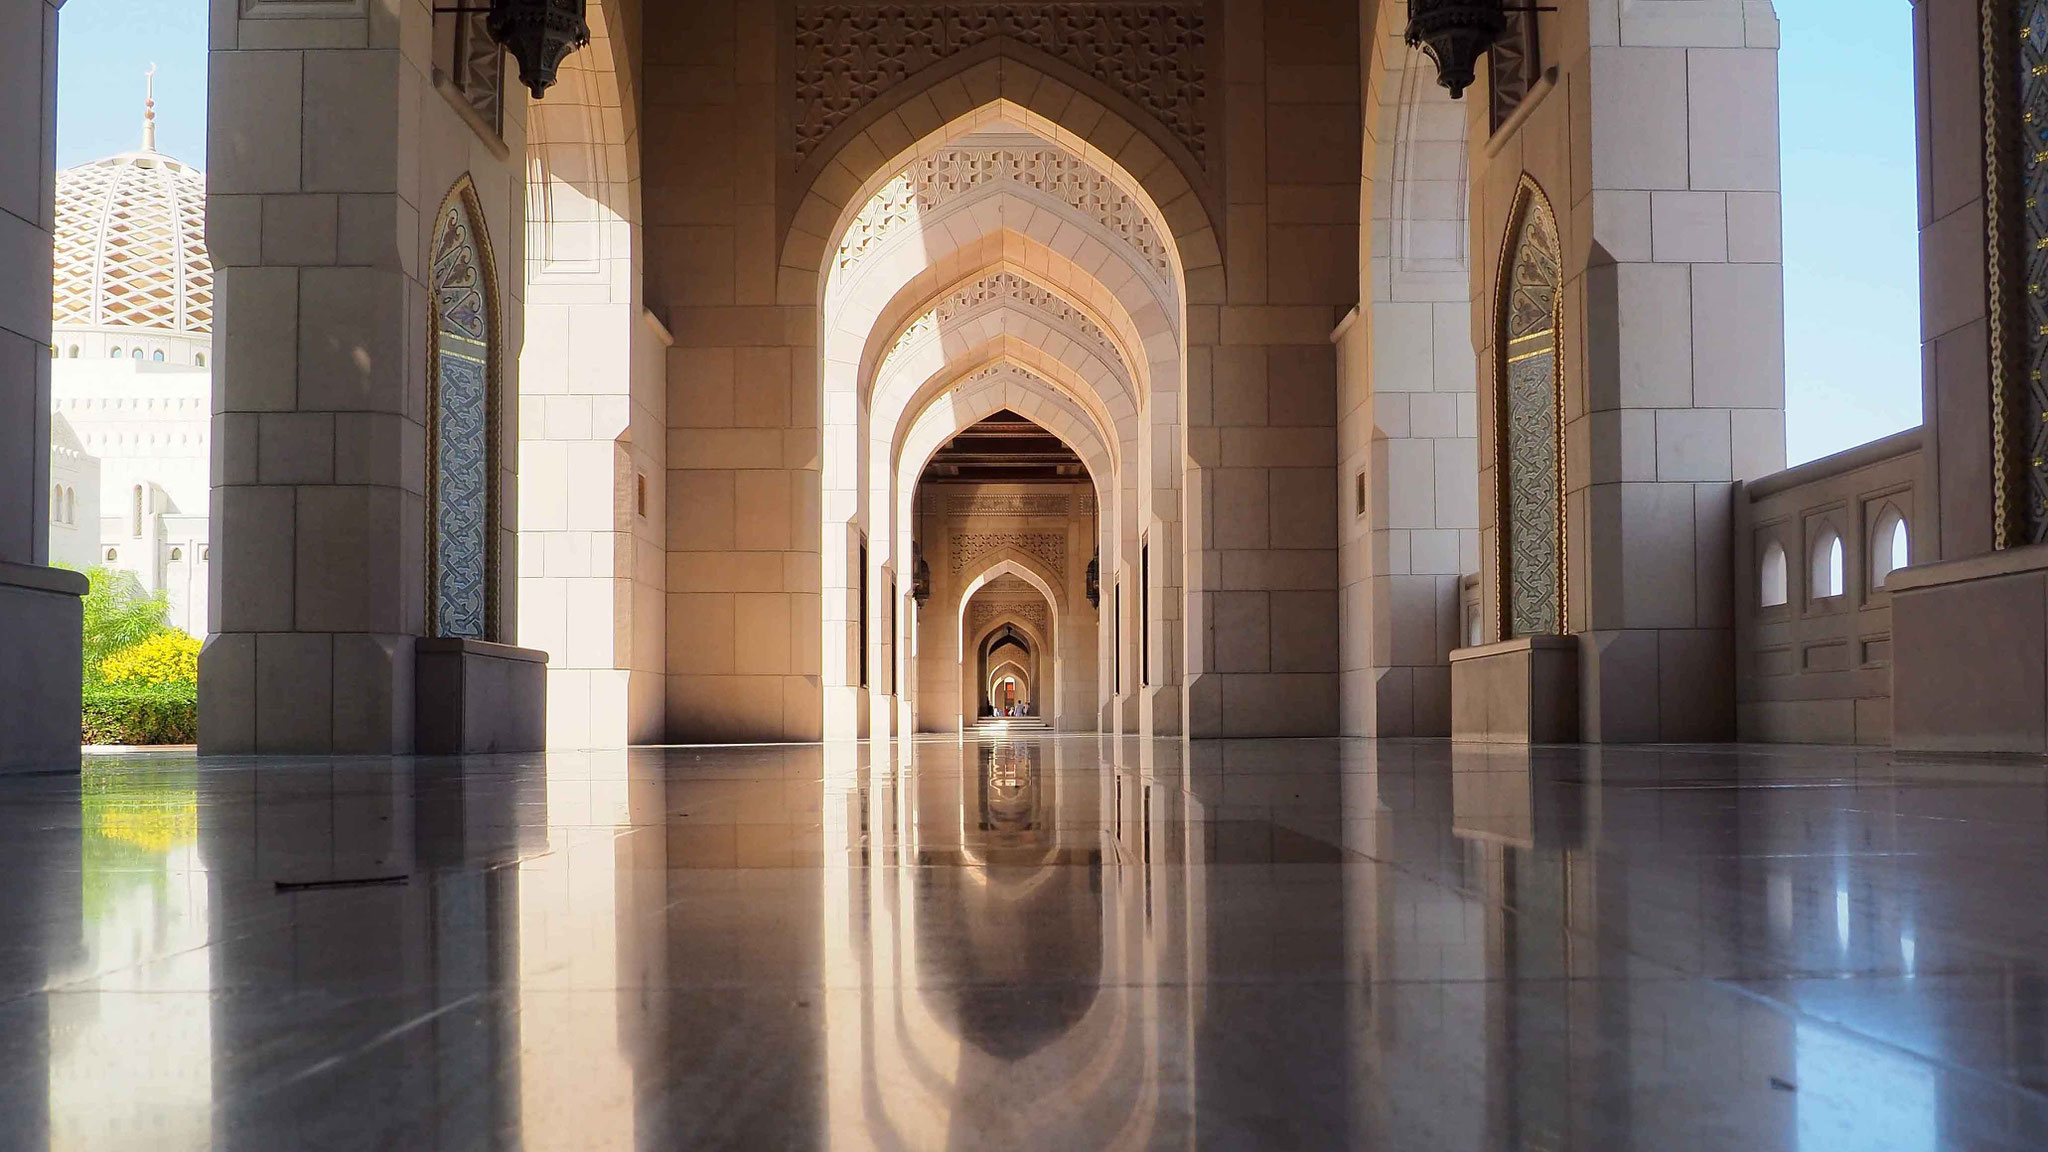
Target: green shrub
118,616
141,714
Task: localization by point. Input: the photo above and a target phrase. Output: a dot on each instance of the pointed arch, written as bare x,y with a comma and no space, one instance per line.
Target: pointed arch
1529,464
463,414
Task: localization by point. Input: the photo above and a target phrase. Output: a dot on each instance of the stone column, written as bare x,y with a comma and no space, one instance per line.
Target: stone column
1656,142
331,146
1261,403
40,612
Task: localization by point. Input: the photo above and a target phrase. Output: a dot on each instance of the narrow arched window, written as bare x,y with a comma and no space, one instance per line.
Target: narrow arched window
135,354
1827,565
177,555
1889,549
56,505
1529,392
157,356
71,353
462,423
71,505
115,354
1772,576
199,359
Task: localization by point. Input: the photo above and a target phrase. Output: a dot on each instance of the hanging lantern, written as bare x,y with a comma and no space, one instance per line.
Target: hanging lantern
1095,579
920,577
1455,34
538,33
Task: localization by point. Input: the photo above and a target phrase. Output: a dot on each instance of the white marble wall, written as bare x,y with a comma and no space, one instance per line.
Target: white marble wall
1408,501
1658,147
331,146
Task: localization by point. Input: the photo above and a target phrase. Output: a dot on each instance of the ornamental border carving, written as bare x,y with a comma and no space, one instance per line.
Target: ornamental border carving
1154,54
1049,548
931,182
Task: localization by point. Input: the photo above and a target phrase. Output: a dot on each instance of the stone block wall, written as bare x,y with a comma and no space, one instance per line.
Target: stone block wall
1814,664
319,222
1654,136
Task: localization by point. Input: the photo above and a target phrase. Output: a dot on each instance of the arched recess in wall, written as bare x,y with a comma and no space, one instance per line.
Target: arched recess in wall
462,423
845,221
1529,421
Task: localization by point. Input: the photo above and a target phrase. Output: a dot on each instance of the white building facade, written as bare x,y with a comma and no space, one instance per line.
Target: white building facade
131,370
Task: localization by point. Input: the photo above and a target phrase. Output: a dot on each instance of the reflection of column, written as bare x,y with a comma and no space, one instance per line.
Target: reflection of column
590,924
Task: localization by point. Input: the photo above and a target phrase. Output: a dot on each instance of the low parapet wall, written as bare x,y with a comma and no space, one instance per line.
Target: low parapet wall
1814,546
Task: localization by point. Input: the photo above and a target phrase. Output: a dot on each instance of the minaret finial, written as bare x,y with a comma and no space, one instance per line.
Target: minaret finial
149,110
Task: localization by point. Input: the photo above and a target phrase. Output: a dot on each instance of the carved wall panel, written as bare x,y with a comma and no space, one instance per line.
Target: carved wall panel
1530,406
931,182
1007,505
976,294
849,55
1049,547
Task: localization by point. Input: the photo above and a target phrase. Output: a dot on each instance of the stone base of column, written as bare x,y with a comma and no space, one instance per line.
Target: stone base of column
1523,691
306,693
475,697
42,617
1970,654
1159,710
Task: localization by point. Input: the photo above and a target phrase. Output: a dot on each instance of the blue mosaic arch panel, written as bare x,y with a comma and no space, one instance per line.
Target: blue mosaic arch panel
462,512
2031,436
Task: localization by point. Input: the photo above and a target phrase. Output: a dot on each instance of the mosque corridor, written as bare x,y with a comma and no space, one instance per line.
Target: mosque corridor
1057,943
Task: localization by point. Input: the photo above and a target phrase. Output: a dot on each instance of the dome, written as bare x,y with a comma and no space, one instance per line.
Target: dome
131,246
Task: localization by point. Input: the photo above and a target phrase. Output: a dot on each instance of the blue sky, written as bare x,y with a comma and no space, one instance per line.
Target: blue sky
1852,357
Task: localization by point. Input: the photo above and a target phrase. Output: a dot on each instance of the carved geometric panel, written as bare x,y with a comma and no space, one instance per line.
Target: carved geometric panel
1009,286
849,55
982,612
933,181
460,519
1050,547
1531,468
2032,433
1001,504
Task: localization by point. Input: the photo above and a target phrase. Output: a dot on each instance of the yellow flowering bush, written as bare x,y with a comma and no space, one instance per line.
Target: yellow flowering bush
166,658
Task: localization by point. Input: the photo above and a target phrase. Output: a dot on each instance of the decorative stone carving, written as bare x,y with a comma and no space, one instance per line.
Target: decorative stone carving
1002,504
1049,547
929,183
976,294
1531,464
983,612
462,425
849,55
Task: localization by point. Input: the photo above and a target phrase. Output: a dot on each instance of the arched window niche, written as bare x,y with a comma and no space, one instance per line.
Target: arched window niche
1773,577
1529,392
1890,547
1827,565
462,423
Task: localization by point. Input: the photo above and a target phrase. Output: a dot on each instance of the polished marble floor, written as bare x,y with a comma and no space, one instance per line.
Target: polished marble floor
1058,943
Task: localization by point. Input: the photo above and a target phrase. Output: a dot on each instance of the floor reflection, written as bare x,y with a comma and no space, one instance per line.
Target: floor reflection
1048,942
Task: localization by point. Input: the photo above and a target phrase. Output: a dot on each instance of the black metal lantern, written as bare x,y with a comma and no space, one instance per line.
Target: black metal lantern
1455,34
1095,579
920,577
538,33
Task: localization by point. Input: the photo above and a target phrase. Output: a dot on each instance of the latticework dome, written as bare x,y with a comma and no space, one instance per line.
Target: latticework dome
131,246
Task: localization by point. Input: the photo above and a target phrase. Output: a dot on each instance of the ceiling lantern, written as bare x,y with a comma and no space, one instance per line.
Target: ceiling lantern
1455,34
539,34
